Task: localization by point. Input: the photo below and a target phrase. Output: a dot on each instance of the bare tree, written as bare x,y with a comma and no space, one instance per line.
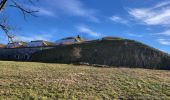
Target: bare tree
13,3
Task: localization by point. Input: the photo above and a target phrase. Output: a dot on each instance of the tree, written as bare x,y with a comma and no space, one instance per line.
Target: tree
13,3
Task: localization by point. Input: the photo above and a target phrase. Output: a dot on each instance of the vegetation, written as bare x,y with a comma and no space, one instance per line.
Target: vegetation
25,80
107,51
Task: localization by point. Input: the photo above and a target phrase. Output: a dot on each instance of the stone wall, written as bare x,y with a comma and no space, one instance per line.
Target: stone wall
19,54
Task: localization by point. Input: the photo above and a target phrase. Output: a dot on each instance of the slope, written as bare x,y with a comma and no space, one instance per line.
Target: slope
107,51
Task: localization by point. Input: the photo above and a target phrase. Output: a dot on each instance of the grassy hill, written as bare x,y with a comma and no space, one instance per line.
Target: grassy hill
107,51
24,80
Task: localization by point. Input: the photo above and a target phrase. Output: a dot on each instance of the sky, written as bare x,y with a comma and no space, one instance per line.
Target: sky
147,21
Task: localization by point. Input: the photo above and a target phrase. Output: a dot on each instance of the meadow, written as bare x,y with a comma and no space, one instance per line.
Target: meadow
42,81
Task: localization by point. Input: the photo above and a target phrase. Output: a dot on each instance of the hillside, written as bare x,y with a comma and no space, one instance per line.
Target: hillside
108,51
25,80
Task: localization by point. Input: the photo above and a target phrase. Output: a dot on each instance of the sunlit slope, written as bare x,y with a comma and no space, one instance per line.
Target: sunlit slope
19,80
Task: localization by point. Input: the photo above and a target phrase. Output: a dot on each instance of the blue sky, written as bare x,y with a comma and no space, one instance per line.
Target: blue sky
147,21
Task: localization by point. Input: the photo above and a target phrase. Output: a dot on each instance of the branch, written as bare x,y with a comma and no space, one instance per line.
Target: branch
2,4
24,10
6,29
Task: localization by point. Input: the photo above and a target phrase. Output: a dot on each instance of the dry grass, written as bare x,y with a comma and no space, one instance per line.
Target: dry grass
24,80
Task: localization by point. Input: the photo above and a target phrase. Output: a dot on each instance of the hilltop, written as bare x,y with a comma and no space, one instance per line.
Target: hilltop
108,51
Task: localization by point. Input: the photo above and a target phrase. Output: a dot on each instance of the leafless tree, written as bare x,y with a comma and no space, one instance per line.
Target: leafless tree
15,4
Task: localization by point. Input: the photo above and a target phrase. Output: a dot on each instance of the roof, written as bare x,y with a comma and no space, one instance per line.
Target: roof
70,40
16,44
39,43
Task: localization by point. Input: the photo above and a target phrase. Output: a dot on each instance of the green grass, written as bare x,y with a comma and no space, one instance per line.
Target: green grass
24,80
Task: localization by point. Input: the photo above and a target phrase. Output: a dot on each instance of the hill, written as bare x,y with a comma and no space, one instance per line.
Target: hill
108,51
27,80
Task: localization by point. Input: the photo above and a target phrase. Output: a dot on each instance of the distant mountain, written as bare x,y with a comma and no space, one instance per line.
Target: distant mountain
109,51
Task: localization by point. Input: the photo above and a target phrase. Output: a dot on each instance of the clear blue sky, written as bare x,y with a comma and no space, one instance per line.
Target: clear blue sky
147,21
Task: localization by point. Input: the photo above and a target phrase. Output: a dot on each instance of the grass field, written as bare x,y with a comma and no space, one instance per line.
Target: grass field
24,80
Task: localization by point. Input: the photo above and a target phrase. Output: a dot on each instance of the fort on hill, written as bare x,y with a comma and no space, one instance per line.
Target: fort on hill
108,51
22,51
